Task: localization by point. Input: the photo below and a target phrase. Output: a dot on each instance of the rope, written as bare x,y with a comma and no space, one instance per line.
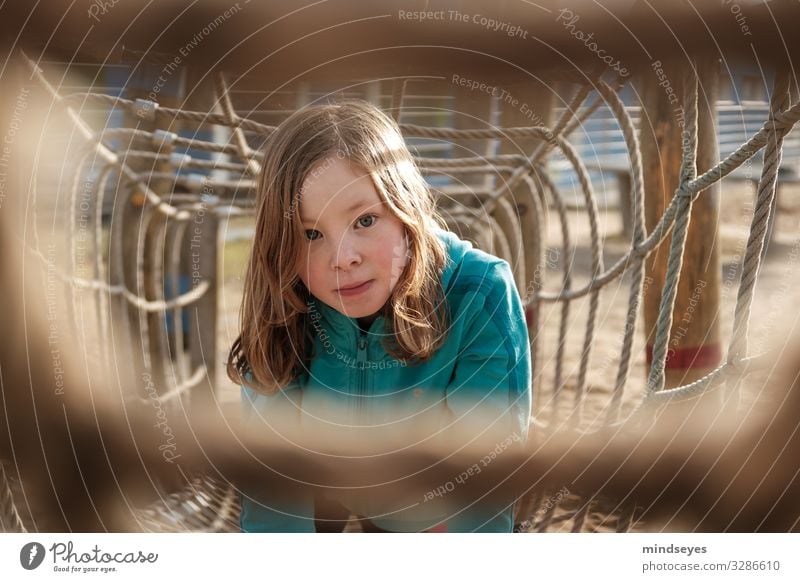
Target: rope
123,291
144,107
241,142
655,380
632,141
784,121
104,152
698,388
759,222
566,283
597,267
537,132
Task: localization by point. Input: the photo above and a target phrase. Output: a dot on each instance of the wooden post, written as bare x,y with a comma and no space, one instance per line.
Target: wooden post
694,343
204,265
205,262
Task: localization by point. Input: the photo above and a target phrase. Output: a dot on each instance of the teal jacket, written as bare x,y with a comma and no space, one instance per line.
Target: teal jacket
352,387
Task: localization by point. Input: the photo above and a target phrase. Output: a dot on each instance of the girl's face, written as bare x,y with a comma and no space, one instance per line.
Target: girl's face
354,249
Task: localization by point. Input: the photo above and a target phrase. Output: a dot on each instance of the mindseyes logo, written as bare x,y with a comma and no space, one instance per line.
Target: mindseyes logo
31,555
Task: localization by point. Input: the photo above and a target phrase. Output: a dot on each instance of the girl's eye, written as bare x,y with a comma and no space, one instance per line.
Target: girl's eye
369,218
312,234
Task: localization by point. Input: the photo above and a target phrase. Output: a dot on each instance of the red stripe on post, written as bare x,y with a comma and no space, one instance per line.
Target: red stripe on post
689,358
530,316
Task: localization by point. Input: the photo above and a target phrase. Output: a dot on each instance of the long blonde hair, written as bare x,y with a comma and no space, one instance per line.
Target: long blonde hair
276,344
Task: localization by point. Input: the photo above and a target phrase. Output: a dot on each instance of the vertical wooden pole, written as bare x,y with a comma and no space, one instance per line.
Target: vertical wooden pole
203,313
694,343
205,258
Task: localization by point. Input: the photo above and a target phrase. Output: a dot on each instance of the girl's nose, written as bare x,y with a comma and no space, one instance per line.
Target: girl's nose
347,255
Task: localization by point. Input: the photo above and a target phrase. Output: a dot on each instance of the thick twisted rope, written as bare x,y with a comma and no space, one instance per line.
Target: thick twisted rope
104,152
594,297
785,120
566,283
135,300
245,152
145,108
760,220
634,297
737,359
655,380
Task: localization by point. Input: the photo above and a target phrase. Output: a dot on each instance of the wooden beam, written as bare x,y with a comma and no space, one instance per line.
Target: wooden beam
281,41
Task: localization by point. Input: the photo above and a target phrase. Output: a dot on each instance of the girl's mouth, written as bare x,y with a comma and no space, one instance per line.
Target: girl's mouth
355,290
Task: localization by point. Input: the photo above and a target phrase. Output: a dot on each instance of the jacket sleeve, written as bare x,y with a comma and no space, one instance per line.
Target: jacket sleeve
264,511
489,394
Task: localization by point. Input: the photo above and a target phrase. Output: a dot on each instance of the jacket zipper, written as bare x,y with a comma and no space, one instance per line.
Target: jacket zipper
361,360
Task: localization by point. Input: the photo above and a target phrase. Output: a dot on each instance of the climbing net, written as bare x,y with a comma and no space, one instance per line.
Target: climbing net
511,217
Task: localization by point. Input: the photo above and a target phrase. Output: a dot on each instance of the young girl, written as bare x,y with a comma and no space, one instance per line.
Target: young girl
362,315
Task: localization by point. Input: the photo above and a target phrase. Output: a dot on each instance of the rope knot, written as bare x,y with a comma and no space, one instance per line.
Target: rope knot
684,191
782,121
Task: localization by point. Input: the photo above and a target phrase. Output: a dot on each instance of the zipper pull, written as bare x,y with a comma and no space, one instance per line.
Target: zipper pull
361,359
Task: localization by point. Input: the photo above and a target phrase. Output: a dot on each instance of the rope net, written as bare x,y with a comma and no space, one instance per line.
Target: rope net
174,190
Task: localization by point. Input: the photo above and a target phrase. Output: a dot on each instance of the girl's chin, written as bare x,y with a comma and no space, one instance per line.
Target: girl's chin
357,311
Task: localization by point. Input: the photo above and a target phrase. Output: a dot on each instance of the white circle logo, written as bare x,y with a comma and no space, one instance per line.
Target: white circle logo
31,555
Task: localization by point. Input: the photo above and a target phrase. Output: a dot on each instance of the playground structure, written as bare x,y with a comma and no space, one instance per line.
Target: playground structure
139,257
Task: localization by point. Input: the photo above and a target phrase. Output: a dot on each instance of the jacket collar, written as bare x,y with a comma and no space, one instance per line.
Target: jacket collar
455,249
342,330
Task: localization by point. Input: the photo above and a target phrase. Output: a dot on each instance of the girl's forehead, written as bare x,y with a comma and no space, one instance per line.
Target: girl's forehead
334,176
337,186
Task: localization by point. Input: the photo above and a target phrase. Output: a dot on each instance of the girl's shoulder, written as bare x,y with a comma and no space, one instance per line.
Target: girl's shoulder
468,267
